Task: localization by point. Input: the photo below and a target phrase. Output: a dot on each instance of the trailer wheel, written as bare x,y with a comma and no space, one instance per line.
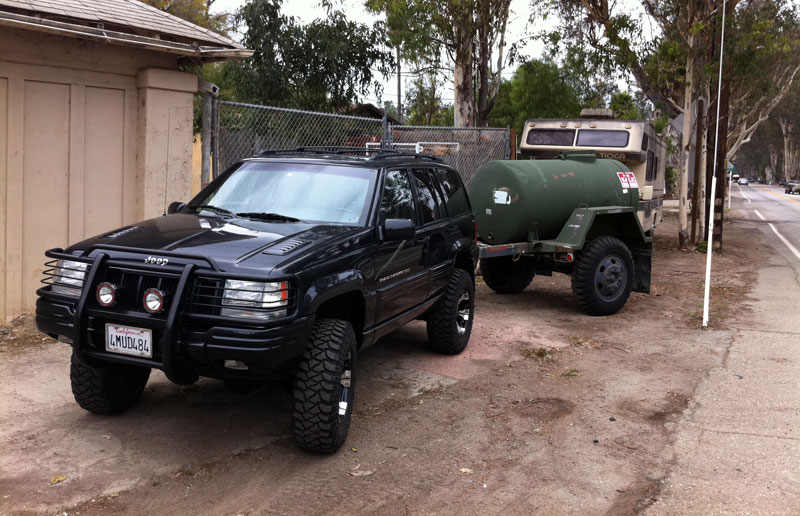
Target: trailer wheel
603,276
506,276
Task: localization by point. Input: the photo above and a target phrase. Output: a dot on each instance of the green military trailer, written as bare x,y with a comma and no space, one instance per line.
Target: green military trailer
575,215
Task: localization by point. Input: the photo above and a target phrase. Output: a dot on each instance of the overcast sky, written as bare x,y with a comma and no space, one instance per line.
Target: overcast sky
309,10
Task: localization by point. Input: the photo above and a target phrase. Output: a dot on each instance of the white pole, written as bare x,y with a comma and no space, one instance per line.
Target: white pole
709,248
710,242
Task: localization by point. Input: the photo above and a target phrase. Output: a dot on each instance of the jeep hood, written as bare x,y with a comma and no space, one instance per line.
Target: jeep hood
226,240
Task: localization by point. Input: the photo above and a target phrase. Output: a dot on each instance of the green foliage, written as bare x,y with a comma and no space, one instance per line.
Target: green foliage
423,103
671,179
321,66
505,112
624,106
539,89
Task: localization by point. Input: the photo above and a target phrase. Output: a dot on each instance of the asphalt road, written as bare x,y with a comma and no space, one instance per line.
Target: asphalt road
777,214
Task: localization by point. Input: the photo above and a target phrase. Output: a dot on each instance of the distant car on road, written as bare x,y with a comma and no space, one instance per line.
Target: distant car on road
790,186
744,181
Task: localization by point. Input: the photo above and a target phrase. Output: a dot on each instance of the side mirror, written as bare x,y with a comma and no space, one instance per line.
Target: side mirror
175,207
398,229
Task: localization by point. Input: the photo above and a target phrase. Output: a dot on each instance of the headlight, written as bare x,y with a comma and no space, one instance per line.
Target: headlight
255,299
68,277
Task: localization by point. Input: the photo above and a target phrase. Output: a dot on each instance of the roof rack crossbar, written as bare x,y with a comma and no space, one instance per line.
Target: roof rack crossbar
345,150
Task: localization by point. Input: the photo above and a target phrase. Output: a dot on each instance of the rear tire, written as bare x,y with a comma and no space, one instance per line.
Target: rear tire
506,276
108,389
325,387
603,276
449,320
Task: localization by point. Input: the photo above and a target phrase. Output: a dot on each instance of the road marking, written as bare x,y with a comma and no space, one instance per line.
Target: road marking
792,248
779,196
742,192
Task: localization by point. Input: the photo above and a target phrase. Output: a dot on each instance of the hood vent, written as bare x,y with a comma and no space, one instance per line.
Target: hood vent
285,247
120,232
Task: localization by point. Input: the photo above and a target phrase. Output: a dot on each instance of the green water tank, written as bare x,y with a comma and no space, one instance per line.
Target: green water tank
512,197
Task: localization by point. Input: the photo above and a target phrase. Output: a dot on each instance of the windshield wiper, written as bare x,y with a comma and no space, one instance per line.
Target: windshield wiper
268,216
208,207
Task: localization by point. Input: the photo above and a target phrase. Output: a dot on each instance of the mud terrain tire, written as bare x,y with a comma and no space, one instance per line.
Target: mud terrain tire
449,320
324,381
108,389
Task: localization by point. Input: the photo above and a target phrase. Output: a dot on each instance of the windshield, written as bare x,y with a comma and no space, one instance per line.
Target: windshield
308,192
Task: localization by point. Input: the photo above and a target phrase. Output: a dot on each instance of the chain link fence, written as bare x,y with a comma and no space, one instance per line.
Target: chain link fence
463,148
243,130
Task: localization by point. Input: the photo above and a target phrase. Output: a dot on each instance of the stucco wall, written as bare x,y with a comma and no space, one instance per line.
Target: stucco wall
92,137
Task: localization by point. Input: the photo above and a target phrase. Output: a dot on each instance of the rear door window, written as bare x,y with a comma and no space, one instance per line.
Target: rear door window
426,191
454,192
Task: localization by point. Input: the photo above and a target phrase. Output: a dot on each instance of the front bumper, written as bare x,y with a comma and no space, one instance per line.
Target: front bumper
185,344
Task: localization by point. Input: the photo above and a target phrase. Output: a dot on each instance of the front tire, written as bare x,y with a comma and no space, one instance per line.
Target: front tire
504,275
108,389
603,276
449,321
324,388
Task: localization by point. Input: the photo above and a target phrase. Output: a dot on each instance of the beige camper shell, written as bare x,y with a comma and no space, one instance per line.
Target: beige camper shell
633,142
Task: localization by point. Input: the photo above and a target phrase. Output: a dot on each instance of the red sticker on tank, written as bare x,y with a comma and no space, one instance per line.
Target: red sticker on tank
627,180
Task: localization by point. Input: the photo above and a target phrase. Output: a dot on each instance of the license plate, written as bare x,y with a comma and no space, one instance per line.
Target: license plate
129,341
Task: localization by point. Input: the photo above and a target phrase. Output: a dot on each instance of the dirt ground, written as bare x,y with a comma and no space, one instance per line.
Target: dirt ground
549,411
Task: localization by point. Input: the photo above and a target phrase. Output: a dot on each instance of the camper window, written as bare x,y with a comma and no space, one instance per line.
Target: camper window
559,137
599,138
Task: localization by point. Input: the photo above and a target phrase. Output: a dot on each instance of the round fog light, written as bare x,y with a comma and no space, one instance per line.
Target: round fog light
106,294
153,300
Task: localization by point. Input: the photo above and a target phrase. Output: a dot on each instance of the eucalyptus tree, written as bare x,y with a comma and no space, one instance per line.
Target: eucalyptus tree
471,33
787,116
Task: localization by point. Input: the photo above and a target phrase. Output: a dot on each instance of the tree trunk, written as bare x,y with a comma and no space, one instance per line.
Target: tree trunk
772,168
686,141
482,115
399,95
791,152
701,175
464,88
698,167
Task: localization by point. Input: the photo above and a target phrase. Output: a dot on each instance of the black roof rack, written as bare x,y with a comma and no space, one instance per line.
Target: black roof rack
327,150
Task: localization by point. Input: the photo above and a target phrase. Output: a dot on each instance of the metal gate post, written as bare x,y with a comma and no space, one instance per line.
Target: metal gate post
385,143
209,92
215,139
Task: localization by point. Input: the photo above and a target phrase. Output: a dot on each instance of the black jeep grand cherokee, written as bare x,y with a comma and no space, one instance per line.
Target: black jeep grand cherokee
288,264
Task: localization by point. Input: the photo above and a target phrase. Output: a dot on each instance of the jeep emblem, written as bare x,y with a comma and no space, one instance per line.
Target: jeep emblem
156,260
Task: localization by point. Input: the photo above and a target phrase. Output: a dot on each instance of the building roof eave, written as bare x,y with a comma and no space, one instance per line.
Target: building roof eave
202,52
